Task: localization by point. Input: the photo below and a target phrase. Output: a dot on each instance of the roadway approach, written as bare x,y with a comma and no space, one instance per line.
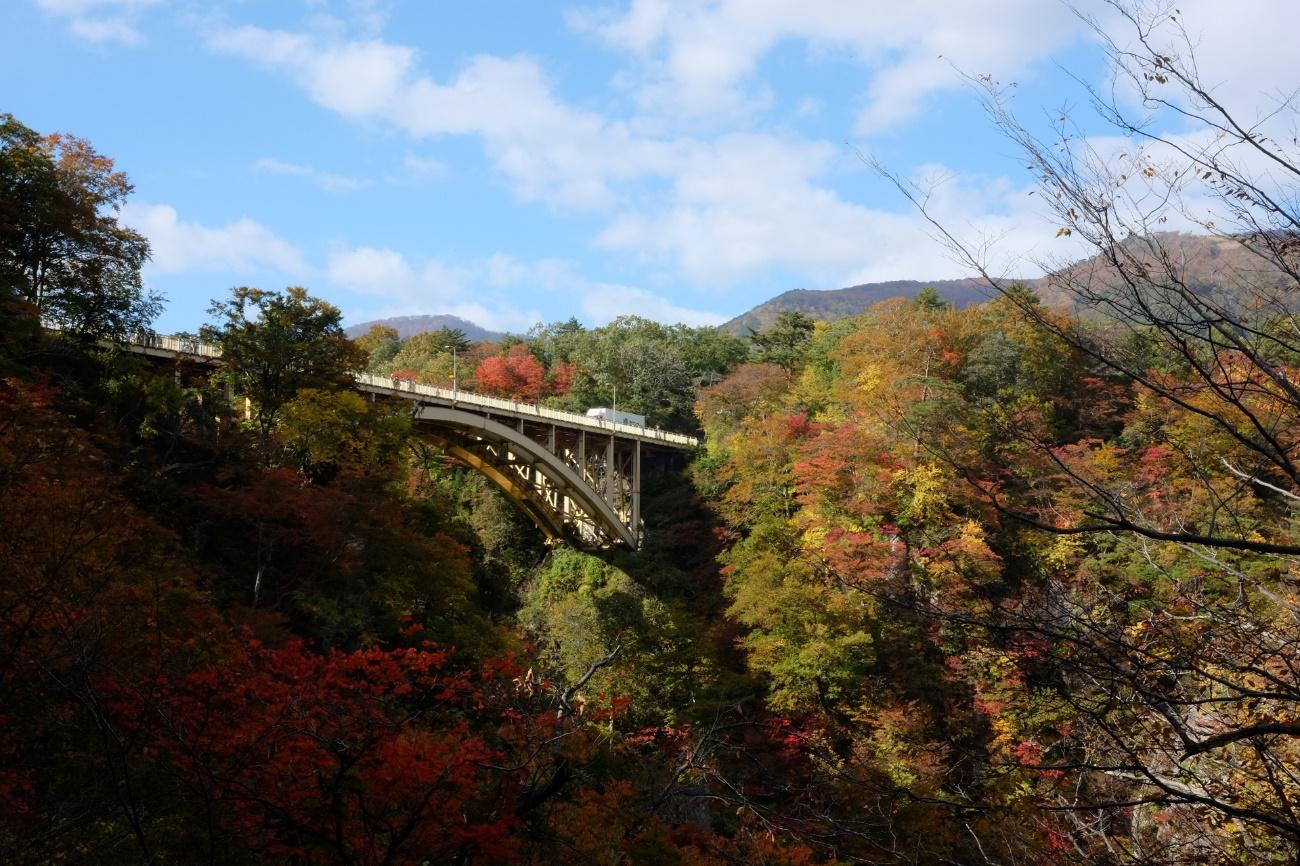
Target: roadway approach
577,478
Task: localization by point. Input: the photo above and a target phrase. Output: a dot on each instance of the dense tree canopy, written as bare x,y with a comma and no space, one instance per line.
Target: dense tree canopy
646,367
380,344
898,590
516,374
1008,584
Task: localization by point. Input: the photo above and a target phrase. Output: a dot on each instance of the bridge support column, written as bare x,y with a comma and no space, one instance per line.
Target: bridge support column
636,492
611,471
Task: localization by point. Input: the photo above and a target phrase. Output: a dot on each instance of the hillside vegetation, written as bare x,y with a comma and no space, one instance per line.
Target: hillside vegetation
1011,582
409,326
292,640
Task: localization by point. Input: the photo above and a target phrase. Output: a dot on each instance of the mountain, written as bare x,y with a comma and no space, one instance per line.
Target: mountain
1205,263
409,326
1226,266
825,305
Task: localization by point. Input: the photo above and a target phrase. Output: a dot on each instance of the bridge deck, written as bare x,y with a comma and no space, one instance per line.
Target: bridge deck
160,346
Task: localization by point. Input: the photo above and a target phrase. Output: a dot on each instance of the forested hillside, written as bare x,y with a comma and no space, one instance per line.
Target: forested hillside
827,305
1004,583
1011,604
248,616
409,326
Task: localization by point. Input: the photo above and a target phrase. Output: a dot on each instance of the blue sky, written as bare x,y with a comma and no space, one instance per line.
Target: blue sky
517,162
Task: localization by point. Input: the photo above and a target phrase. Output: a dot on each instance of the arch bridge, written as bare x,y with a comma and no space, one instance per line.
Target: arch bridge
577,478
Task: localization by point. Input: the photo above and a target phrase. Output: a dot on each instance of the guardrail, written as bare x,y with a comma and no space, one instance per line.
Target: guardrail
179,345
406,386
197,348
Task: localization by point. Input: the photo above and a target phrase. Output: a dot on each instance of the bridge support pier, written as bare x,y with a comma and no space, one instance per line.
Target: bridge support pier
636,486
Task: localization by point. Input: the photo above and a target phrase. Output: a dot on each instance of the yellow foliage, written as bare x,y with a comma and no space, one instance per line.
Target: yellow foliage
929,487
869,378
1065,551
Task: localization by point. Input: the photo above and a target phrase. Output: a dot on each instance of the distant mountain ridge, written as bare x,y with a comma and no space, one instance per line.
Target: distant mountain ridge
827,304
1206,263
409,326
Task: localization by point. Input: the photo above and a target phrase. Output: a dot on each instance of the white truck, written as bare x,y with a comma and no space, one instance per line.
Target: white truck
615,417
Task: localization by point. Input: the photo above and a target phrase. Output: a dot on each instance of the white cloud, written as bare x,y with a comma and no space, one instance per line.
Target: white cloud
549,275
105,30
1249,75
422,166
504,270
699,60
736,205
369,15
550,150
497,283
598,302
604,302
180,246
372,271
750,206
114,21
999,222
386,273
507,318
748,203
324,179
434,287
719,210
81,7
702,59
1247,70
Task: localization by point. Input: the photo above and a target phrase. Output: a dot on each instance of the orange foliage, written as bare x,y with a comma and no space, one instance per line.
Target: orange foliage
517,375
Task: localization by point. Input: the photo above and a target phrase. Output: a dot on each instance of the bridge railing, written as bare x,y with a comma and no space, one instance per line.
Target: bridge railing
179,345
572,419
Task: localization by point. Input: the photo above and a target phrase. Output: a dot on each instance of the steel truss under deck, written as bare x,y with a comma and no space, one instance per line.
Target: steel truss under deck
578,485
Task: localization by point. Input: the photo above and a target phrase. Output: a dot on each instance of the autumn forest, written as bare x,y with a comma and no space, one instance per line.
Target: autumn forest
1015,582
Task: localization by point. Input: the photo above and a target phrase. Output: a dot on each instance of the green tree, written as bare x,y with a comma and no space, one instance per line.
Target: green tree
451,338
581,609
380,344
426,355
710,354
656,369
557,341
324,431
929,299
275,344
785,342
62,250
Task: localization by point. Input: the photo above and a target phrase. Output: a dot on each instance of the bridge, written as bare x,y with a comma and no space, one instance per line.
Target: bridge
578,478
